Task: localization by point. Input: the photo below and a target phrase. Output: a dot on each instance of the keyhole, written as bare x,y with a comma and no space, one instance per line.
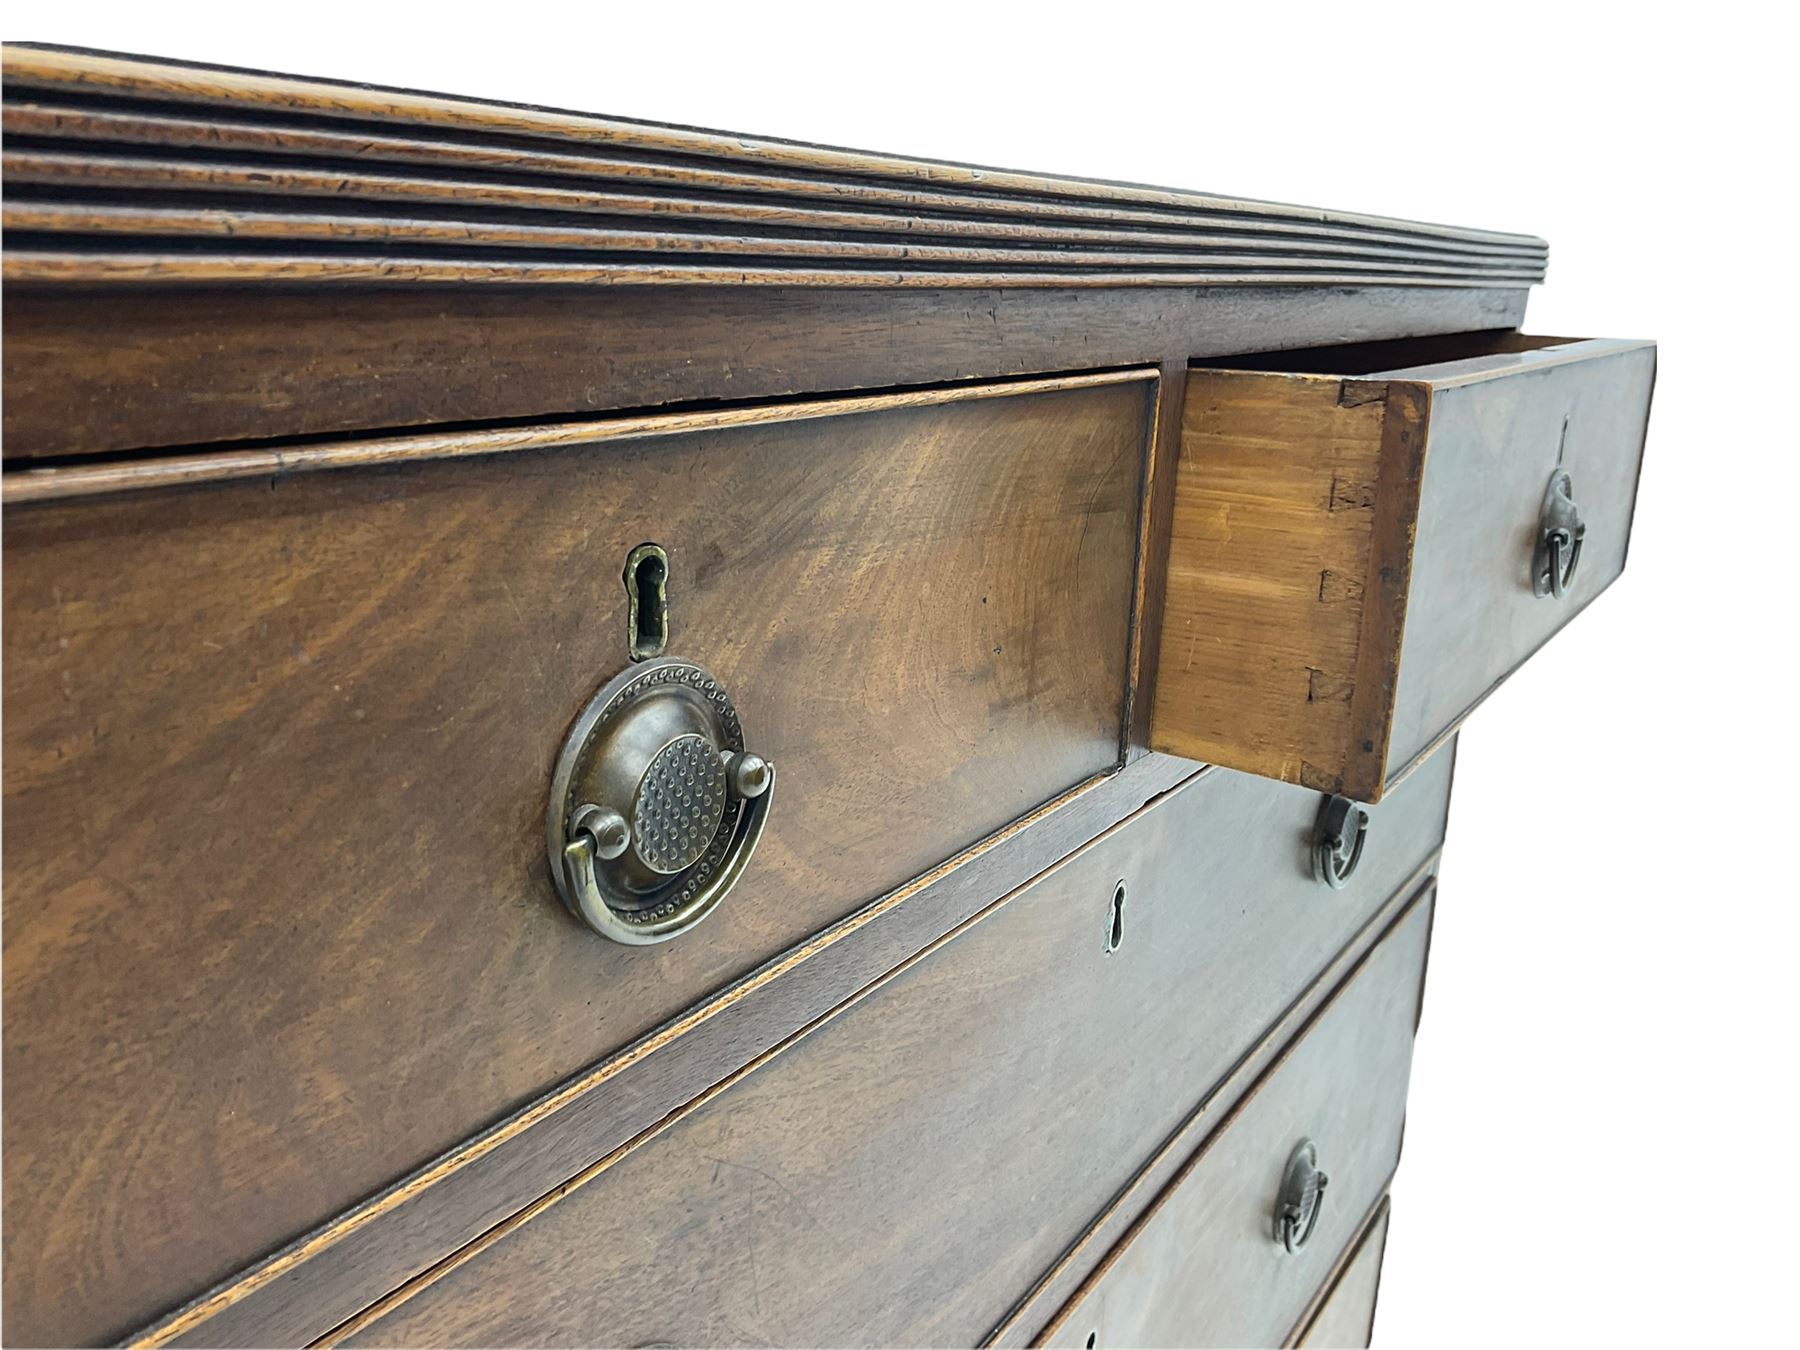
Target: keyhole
647,594
1115,931
1093,1339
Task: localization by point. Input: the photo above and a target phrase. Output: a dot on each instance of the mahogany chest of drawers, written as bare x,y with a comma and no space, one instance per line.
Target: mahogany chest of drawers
621,735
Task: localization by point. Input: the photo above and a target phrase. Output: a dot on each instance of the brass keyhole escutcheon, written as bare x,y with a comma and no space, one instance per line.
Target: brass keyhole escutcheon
655,804
647,601
1115,920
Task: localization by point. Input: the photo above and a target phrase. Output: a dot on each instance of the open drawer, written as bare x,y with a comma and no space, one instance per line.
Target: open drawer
1363,546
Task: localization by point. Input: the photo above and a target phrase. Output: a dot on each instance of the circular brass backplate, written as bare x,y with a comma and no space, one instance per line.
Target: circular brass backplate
653,745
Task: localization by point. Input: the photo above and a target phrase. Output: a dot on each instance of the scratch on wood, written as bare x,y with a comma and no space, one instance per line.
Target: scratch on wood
1323,687
1319,780
1358,393
1347,494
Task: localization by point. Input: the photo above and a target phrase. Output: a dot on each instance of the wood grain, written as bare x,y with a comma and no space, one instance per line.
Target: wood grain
200,367
27,266
817,1199
331,413
922,209
1058,1284
220,466
1295,498
1346,1318
277,924
1190,254
518,218
319,1281
213,196
1350,565
1153,550
273,142
1203,1266
1054,1287
1500,424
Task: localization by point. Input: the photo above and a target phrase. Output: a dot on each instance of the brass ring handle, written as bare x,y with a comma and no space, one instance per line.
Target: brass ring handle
1565,555
1302,1197
656,807
1338,846
1561,532
580,853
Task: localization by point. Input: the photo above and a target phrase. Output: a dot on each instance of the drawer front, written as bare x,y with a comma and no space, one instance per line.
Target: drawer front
1347,1316
1500,428
1353,549
1206,1265
279,926
902,1174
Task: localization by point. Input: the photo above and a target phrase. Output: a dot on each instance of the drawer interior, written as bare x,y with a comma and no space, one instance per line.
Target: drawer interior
1370,358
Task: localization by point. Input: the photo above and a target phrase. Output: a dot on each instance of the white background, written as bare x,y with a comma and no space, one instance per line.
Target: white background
1601,1145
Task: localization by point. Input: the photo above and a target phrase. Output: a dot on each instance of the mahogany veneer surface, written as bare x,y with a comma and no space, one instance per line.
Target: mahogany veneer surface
331,414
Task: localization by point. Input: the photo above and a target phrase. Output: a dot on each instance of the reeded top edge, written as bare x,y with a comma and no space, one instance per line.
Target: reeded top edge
436,188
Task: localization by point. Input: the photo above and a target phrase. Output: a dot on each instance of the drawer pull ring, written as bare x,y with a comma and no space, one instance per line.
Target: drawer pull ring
656,808
1302,1196
1343,828
1560,534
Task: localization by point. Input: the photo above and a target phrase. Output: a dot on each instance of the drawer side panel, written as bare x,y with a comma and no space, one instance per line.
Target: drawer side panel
1294,500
